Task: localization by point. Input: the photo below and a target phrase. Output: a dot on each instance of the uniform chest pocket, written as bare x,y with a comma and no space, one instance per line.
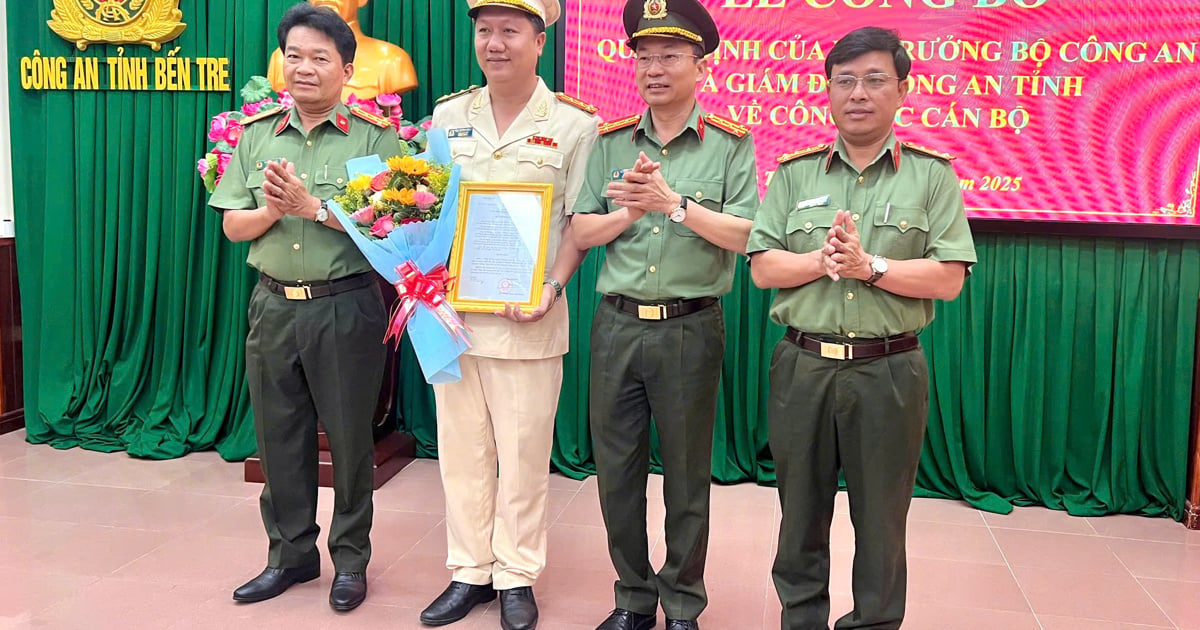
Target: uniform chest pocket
709,192
540,157
464,149
256,179
330,180
806,229
900,232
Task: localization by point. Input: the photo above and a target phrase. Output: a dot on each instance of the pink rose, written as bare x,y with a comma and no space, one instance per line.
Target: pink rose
427,124
364,216
365,105
389,100
216,130
424,199
383,226
202,167
408,133
223,161
251,109
286,100
233,133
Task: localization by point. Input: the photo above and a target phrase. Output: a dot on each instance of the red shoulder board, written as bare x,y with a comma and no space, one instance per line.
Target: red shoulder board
378,121
726,125
788,157
929,152
612,126
262,115
571,100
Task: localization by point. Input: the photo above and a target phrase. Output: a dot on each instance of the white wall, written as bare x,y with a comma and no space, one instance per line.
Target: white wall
6,197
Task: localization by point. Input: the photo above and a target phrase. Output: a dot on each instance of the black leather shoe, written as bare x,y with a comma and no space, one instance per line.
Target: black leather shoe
455,602
348,591
682,624
272,582
518,610
621,619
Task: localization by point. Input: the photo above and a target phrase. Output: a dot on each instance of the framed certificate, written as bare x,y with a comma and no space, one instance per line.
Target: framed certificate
499,253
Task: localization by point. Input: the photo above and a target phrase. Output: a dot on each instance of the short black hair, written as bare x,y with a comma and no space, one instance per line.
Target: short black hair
865,40
321,19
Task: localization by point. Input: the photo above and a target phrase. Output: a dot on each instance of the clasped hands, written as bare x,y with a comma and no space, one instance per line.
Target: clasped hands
286,193
842,256
642,189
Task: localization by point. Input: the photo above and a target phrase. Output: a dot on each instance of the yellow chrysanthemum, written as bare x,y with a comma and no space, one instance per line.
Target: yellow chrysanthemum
410,165
360,183
403,197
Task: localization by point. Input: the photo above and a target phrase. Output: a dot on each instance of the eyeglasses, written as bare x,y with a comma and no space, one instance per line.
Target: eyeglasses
872,82
669,60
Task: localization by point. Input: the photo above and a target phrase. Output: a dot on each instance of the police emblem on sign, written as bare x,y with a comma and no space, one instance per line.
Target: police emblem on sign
148,22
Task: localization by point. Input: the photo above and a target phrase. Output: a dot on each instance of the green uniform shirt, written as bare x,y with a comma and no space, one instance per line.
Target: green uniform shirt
296,249
907,204
655,258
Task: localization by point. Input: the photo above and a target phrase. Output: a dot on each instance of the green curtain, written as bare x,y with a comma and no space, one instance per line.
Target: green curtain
1062,375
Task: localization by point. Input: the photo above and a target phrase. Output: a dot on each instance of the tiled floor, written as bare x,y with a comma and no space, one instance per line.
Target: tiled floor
94,541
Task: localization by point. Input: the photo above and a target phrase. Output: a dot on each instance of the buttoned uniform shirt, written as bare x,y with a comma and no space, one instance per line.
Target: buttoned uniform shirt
296,249
655,258
548,142
906,204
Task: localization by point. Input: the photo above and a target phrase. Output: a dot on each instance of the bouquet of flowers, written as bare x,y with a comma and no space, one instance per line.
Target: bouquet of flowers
402,215
225,130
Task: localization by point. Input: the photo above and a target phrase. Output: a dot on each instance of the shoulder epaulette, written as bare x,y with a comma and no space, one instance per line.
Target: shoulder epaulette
571,100
456,94
374,119
622,123
929,152
726,125
788,157
262,115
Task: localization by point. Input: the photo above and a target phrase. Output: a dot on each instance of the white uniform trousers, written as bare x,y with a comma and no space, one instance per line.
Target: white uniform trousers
495,432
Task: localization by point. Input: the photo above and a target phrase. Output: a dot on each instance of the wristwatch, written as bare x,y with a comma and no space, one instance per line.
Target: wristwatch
879,266
557,286
322,212
680,213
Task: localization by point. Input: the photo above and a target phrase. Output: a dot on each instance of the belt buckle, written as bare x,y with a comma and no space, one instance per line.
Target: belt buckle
298,293
838,351
652,311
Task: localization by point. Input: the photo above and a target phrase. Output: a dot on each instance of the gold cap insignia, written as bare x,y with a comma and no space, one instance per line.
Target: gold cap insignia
655,9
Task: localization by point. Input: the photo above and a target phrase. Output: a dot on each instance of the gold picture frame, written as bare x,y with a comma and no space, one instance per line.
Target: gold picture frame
500,246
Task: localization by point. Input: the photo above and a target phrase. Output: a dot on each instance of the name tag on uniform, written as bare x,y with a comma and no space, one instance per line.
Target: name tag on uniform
261,165
461,132
815,202
618,174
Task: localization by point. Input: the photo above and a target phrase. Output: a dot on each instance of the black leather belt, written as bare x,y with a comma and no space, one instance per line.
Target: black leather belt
314,290
665,310
845,348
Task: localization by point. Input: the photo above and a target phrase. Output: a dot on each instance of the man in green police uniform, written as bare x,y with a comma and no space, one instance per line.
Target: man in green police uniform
317,318
859,237
672,230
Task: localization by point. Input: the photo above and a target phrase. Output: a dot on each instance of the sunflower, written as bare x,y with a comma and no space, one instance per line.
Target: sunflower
405,197
410,165
395,163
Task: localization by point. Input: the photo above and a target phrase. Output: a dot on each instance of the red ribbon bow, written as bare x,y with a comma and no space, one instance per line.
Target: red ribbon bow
415,288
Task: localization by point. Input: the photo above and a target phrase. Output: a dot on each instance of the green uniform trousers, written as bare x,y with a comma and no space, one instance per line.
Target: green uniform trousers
319,359
867,418
669,370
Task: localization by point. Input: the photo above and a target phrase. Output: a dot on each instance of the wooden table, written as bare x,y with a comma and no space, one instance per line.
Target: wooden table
12,412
